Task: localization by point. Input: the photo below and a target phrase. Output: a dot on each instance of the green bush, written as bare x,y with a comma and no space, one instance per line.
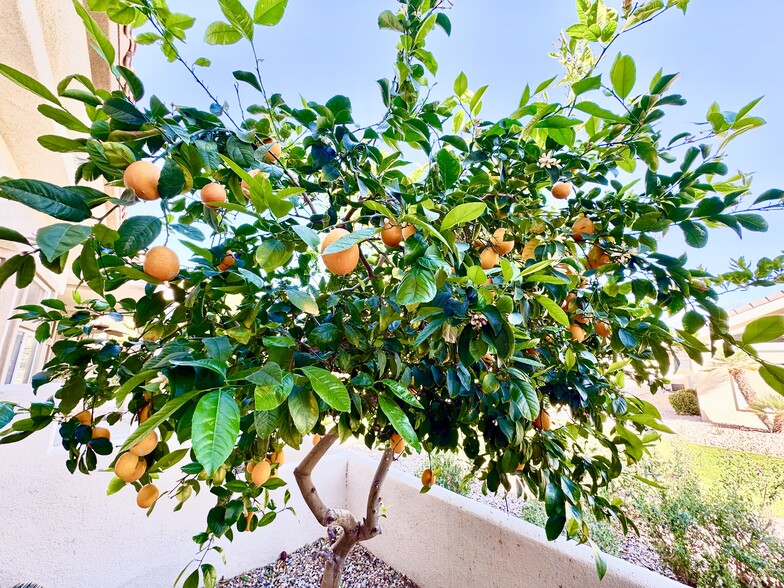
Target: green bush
685,401
450,471
708,538
606,535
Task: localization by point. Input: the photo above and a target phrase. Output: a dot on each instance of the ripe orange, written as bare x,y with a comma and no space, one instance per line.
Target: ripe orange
428,478
342,262
570,302
161,263
597,258
543,422
129,467
85,417
408,230
501,246
529,251
316,439
391,234
561,190
602,329
147,496
488,259
578,333
144,413
227,262
278,457
582,226
520,466
213,194
275,150
261,472
101,433
249,466
398,443
142,177
146,446
244,185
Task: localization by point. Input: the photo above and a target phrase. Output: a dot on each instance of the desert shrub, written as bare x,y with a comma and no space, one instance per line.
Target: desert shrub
606,535
716,537
451,472
685,401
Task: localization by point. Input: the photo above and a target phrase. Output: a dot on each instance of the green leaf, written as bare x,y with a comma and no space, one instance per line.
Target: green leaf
601,564
555,311
773,376
418,286
61,144
137,233
763,330
627,339
169,460
474,106
216,424
272,254
448,168
157,418
768,195
388,20
7,234
123,391
461,84
304,409
64,118
266,422
750,222
218,348
399,421
402,392
26,272
55,240
623,75
269,12
6,413
696,234
693,321
586,85
308,236
443,21
526,399
28,83
208,364
221,33
463,213
134,83
236,14
103,46
328,387
172,180
598,111
270,395
250,79
10,267
121,110
303,301
348,241
44,197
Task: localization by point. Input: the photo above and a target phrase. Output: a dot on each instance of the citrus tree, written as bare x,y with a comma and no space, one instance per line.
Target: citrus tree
432,281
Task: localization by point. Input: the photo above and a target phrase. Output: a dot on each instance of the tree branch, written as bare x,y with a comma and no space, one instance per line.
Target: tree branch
371,526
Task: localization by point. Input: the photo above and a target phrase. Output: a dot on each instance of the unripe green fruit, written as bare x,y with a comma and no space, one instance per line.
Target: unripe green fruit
505,304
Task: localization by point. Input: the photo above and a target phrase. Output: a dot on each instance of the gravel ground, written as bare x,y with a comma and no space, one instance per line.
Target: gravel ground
303,568
748,440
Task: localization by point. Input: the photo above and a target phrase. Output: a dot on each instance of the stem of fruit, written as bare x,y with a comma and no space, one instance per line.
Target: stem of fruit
353,531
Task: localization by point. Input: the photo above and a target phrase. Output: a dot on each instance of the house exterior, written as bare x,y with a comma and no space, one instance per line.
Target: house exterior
49,43
720,400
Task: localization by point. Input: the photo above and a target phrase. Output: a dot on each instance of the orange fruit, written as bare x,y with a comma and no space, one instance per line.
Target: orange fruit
261,472
570,302
501,246
249,466
162,263
582,226
529,251
244,185
408,230
397,443
213,194
147,496
144,413
129,467
275,150
391,234
342,262
85,417
146,446
101,433
489,258
278,457
142,177
597,258
316,439
428,478
561,190
578,333
227,262
602,329
520,467
543,422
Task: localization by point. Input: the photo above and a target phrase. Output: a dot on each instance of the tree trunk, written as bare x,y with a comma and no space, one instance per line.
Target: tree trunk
344,530
778,422
747,391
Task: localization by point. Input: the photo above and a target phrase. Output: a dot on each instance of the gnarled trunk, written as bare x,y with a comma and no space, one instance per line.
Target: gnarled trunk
747,391
344,530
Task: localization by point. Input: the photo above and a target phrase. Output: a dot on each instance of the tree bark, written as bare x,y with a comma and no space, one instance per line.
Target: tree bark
344,530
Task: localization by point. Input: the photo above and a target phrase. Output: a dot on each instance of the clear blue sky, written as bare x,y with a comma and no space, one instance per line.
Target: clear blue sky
726,51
